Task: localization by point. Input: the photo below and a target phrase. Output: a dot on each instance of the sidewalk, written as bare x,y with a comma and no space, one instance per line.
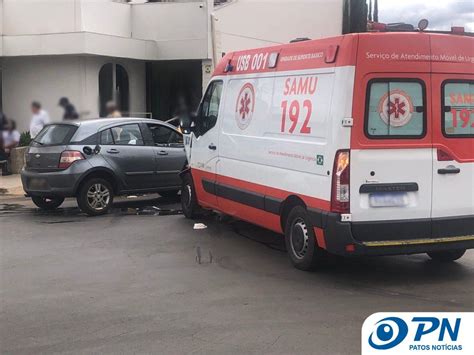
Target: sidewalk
11,185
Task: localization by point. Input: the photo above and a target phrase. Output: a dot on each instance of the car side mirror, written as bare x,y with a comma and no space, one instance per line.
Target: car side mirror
185,121
97,149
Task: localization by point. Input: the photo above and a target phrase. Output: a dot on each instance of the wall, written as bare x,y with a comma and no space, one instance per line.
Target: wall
48,78
41,17
247,24
152,31
106,17
180,29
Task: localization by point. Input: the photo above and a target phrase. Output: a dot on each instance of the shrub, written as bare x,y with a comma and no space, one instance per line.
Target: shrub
25,139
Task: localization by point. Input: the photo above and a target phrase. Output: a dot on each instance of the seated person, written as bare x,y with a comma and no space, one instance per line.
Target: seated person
11,139
11,136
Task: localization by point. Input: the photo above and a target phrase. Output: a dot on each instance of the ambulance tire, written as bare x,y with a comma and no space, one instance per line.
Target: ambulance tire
189,202
301,244
447,255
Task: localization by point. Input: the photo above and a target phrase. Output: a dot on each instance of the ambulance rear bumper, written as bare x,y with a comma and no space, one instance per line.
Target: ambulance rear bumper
339,237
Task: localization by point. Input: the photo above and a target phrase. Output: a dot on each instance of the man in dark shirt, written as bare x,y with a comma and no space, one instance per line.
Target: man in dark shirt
70,112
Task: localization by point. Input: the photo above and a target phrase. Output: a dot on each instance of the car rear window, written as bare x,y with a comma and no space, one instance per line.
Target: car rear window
395,109
458,109
55,135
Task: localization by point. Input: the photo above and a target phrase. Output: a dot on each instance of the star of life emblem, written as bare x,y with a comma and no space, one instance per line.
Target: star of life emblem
245,106
396,108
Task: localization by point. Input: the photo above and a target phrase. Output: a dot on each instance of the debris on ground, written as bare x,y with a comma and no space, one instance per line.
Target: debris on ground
199,226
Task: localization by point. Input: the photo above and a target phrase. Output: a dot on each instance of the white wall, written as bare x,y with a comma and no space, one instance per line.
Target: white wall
175,30
48,78
246,24
180,29
106,17
40,16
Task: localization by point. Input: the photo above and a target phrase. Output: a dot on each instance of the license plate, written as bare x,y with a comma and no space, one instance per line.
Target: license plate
388,199
38,184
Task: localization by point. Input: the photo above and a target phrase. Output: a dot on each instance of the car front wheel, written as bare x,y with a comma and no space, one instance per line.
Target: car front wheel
95,197
189,202
47,203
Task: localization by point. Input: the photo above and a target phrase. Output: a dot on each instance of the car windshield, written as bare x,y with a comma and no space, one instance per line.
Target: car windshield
55,134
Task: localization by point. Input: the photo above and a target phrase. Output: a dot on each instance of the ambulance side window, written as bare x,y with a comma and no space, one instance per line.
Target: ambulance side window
209,109
458,109
395,109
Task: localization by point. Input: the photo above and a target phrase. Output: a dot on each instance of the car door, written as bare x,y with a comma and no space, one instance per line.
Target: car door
204,144
124,149
391,168
453,153
169,154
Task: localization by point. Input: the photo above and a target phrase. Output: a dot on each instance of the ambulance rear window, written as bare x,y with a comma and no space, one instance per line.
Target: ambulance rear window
458,108
395,108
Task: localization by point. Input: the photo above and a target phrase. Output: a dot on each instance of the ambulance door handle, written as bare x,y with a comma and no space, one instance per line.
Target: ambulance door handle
212,146
449,170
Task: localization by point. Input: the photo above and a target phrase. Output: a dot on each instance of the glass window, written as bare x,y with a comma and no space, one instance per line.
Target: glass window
55,135
163,135
458,109
395,109
106,137
129,134
209,110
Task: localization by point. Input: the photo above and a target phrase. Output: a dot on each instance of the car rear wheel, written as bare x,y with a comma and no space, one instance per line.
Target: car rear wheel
301,244
447,255
189,202
95,197
169,193
47,203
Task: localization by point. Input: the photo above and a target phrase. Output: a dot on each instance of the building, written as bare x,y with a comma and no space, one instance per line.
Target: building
91,51
144,54
244,24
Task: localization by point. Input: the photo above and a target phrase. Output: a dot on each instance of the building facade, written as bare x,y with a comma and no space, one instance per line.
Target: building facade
144,55
93,51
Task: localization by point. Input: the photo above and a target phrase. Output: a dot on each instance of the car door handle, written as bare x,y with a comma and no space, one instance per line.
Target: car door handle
162,152
449,170
212,146
113,151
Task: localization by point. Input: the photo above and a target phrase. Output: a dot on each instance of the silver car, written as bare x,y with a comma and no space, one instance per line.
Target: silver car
96,160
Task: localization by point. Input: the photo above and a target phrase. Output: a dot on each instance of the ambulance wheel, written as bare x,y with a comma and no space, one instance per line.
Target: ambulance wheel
447,255
189,202
301,244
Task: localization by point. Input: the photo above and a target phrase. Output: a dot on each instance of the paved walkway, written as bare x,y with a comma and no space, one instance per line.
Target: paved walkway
11,185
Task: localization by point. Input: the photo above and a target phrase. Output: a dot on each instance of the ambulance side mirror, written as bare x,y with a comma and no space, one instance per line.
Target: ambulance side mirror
186,121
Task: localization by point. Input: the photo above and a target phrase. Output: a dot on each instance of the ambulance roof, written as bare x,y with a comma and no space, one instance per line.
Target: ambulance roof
371,52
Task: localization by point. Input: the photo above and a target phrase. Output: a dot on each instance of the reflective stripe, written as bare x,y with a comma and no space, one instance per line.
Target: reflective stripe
418,241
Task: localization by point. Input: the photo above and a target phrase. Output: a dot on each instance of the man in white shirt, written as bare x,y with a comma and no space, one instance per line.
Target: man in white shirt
38,120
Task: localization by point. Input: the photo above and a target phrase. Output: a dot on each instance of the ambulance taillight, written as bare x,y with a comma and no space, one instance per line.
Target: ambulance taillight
340,194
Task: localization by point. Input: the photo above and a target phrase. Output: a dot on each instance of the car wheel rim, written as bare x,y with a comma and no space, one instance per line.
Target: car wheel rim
98,197
299,238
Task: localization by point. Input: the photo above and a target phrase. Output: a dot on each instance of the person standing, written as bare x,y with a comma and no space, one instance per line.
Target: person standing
70,112
39,119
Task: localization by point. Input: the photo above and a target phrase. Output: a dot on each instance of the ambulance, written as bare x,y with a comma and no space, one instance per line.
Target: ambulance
361,144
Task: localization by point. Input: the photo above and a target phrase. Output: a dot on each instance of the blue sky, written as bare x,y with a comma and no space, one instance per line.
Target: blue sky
442,14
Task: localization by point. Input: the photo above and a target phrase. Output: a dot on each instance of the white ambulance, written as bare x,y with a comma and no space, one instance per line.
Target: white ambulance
361,144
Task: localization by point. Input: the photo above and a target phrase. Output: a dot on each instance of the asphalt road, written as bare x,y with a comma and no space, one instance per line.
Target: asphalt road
131,282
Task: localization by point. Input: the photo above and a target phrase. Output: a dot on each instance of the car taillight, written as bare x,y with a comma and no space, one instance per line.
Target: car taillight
340,195
68,157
